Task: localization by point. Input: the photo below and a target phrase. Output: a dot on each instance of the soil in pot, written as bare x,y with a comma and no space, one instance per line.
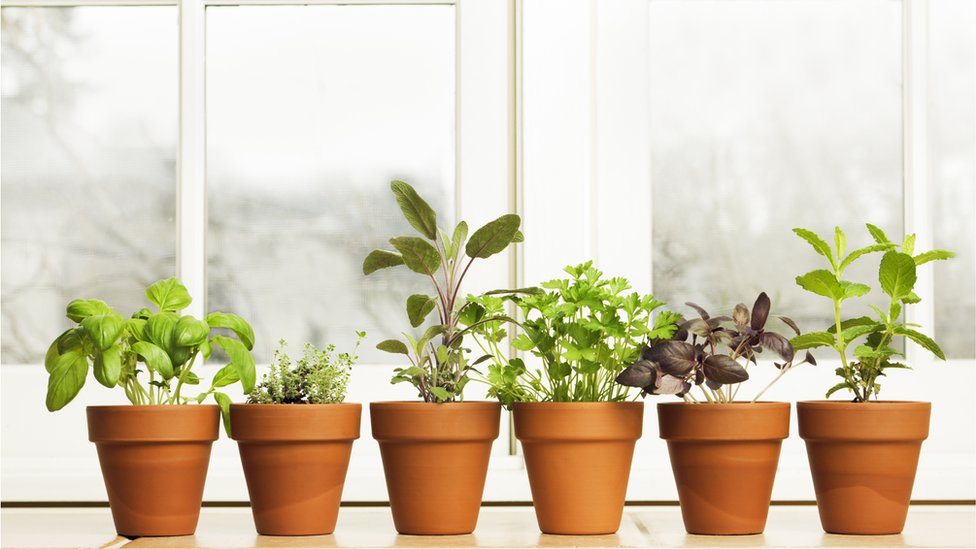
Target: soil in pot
724,459
295,458
435,457
863,457
578,457
154,462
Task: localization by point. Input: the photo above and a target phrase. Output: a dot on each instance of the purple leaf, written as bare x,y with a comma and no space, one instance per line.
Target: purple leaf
789,322
701,311
640,374
760,310
669,385
724,369
740,315
778,344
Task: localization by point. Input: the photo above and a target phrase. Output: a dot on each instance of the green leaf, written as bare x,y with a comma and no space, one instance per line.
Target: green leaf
228,375
80,309
394,346
161,331
854,332
519,237
418,254
154,358
812,340
922,339
417,212
912,297
441,394
523,291
191,332
418,307
908,247
66,380
853,289
523,343
836,388
818,243
224,402
933,255
897,274
460,237
169,295
494,237
56,349
863,251
821,282
241,358
840,242
136,328
104,329
108,366
380,259
236,324
879,236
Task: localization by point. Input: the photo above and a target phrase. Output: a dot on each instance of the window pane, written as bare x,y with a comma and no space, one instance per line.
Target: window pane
952,135
767,116
306,128
88,171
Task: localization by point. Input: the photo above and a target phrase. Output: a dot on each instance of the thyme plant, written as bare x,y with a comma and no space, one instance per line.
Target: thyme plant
320,376
874,352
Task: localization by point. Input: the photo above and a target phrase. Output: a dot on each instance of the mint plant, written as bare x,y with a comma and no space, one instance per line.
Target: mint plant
712,353
874,352
318,377
584,330
439,368
162,345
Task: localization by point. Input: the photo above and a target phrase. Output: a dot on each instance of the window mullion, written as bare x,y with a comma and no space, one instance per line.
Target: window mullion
191,210
917,216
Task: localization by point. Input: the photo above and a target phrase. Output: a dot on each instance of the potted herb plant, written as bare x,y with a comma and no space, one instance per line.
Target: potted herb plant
724,453
864,452
295,436
435,452
576,425
154,454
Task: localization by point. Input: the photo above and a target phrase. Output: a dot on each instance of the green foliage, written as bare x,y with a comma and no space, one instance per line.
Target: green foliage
439,367
319,377
162,346
585,330
873,350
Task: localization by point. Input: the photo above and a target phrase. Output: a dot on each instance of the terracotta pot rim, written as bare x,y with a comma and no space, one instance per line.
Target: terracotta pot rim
726,405
295,423
147,407
422,404
429,422
569,405
839,404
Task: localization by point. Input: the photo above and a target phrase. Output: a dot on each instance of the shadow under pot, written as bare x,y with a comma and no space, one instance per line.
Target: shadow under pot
578,457
863,457
435,457
154,462
724,459
295,458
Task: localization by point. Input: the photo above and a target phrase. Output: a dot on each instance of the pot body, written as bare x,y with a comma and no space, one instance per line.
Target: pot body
578,457
724,459
863,457
295,458
154,462
435,457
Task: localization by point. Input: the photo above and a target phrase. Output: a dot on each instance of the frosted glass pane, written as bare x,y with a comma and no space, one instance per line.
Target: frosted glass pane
952,138
306,127
767,116
88,171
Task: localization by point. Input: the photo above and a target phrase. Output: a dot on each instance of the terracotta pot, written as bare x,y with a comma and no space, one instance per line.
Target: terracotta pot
863,457
295,458
578,456
724,459
435,457
154,461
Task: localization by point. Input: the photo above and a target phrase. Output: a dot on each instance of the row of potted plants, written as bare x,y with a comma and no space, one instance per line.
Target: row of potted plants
586,343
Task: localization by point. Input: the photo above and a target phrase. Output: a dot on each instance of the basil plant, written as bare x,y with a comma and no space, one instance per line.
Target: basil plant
161,345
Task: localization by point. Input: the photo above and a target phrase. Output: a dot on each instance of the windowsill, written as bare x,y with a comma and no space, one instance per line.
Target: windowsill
788,526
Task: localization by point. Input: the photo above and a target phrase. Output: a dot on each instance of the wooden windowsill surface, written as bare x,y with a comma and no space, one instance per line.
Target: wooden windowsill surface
788,526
